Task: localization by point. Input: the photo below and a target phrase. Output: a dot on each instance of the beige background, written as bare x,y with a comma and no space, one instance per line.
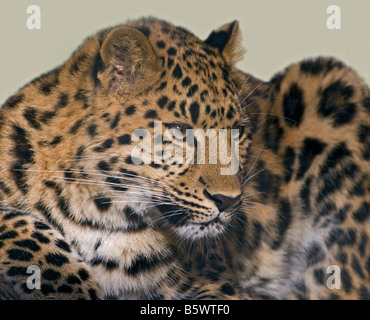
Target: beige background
275,32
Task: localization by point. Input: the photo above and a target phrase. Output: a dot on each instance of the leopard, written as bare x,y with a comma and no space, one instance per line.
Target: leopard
298,204
307,185
77,207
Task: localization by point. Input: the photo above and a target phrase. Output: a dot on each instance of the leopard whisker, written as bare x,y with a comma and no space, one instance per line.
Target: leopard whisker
171,213
119,175
270,98
275,115
254,163
251,177
138,188
96,173
251,194
101,183
133,192
152,191
258,204
251,92
124,193
245,82
138,201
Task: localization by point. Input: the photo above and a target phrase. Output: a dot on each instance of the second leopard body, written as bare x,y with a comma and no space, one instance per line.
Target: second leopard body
308,184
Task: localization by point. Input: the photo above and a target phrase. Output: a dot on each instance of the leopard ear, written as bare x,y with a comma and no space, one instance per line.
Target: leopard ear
227,40
129,61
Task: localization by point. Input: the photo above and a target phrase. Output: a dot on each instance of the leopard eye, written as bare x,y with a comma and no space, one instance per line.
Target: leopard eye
181,126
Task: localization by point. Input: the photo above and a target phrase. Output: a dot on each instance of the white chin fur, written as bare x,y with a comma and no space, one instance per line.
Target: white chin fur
193,231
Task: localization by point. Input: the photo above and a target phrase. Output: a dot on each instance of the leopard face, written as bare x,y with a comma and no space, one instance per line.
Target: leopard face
151,76
190,88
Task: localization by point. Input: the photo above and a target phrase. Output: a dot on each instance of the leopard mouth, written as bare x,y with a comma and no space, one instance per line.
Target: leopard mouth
178,217
209,222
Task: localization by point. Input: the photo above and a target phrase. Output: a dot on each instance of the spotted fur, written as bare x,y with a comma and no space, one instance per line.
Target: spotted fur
308,204
99,226
66,164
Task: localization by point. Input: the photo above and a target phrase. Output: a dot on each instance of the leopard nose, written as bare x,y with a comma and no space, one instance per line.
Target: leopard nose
221,201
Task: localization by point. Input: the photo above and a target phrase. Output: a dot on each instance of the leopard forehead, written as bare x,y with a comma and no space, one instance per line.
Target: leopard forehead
192,83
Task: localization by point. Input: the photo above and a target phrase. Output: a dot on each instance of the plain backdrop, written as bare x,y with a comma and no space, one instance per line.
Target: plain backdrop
275,32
